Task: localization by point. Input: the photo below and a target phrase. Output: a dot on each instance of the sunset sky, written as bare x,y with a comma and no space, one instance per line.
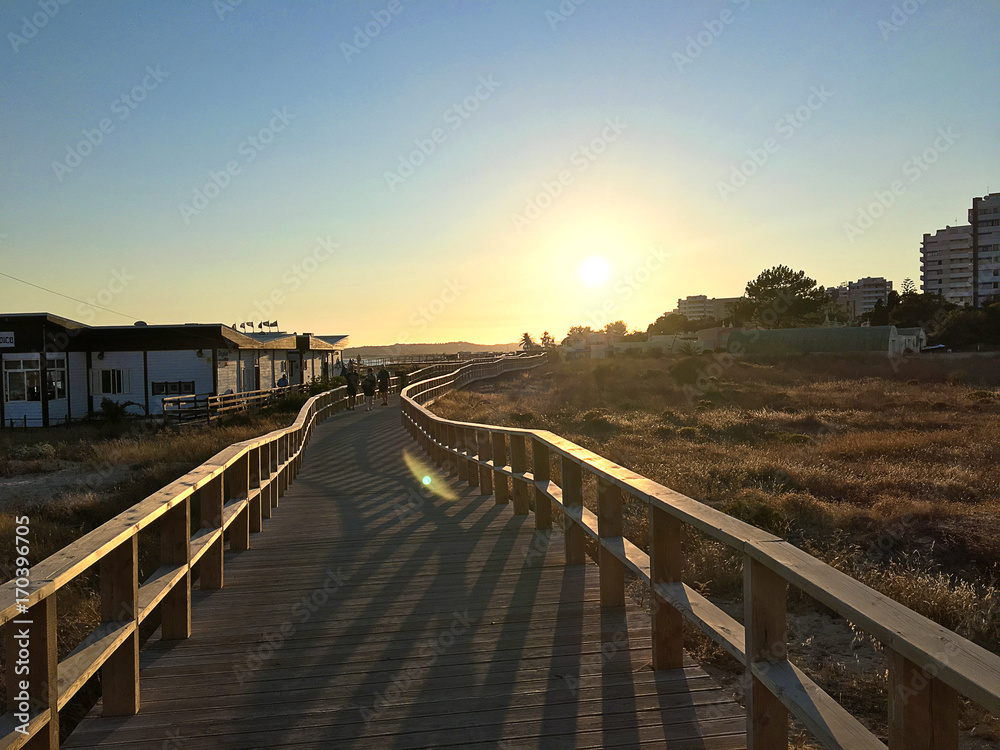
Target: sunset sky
437,171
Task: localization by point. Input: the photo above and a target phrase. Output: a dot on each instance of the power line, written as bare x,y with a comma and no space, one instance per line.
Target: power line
60,294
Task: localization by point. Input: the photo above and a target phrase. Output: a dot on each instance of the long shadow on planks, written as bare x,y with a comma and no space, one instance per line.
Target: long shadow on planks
366,616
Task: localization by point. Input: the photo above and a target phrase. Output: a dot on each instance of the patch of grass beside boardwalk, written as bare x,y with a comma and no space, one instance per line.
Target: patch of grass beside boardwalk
886,472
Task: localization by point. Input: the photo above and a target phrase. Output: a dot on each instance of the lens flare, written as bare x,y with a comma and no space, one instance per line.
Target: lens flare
594,271
424,474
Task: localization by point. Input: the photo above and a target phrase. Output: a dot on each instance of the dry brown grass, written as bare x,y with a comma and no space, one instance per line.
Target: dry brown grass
888,476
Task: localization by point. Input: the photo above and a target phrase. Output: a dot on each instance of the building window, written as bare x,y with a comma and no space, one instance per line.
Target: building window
22,379
110,382
55,377
173,388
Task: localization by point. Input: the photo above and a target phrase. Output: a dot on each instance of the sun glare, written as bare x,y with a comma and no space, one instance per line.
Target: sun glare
594,271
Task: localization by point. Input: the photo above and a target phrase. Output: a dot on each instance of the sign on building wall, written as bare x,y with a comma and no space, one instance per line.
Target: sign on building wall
6,340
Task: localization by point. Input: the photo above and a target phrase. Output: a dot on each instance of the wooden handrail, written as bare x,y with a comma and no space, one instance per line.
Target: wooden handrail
238,487
929,665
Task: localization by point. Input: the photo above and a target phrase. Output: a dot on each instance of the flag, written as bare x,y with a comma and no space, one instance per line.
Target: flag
242,325
261,325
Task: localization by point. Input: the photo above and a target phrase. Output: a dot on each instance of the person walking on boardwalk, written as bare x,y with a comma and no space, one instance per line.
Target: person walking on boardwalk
383,385
352,386
368,386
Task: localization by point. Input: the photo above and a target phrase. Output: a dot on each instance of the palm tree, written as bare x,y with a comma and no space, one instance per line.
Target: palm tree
689,349
527,342
548,342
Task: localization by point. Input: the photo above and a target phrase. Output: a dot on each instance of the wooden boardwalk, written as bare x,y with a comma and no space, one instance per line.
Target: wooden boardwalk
368,616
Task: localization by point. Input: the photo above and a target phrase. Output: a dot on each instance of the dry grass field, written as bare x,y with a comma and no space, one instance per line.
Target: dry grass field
888,474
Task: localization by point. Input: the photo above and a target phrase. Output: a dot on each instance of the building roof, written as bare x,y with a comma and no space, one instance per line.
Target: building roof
807,340
77,336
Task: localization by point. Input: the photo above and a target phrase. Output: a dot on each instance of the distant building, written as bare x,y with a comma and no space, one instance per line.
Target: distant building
962,263
56,370
859,297
699,306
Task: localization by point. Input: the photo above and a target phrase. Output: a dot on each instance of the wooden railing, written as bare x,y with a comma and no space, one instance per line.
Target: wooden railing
197,407
929,666
236,490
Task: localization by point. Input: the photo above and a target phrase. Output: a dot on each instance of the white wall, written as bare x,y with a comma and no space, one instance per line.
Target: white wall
228,367
177,365
130,362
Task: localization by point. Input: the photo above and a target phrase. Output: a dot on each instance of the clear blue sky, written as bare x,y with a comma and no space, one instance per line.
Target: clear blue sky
612,131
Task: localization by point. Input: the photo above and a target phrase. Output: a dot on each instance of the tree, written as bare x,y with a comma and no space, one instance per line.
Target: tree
668,324
527,342
780,297
914,310
618,328
879,315
579,329
548,342
909,287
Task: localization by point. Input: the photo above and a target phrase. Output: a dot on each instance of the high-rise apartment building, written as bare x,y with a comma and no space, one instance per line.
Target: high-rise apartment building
859,297
700,306
963,263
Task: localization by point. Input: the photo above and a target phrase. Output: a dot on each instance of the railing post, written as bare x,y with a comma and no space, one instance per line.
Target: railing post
211,518
764,594
266,480
572,493
461,463
501,487
609,526
175,549
274,453
519,465
256,522
43,682
119,598
237,484
541,472
454,465
923,711
470,448
665,564
485,450
282,464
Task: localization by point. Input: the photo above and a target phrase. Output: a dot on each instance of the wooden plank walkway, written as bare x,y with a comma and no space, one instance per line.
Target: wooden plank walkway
366,616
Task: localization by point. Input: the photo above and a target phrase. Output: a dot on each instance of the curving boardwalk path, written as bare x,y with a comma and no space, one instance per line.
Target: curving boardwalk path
366,616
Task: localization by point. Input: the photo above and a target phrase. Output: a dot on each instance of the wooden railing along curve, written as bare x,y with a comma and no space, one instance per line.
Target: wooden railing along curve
237,490
929,665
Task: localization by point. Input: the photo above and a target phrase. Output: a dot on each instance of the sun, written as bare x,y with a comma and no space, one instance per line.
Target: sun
594,271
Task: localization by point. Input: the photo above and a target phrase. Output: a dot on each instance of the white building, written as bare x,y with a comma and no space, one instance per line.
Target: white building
699,306
56,369
963,263
859,297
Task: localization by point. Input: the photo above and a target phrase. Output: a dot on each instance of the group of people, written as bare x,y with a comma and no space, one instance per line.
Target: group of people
369,384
